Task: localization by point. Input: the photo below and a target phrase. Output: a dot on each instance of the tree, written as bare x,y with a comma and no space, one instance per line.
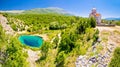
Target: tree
54,26
68,41
14,27
92,22
60,59
15,55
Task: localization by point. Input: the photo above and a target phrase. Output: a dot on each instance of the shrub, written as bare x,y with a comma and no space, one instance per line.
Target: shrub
54,26
92,22
115,61
14,27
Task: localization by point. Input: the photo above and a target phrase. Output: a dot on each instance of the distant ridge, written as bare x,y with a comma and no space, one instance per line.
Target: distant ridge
12,11
53,10
112,18
47,10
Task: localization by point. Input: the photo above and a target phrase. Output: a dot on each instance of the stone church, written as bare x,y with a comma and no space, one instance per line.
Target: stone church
96,15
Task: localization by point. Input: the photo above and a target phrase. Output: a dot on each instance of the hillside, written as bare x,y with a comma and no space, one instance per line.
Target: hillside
112,18
65,35
47,10
51,10
69,41
6,27
12,11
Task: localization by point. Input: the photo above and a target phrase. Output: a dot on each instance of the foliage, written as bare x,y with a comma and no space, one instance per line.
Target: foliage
85,23
3,43
5,14
56,41
60,59
71,43
45,48
43,21
68,41
15,55
56,25
14,27
77,35
96,36
92,22
115,61
116,22
2,38
1,33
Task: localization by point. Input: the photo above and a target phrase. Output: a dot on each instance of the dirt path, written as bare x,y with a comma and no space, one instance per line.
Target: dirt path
112,34
6,27
32,56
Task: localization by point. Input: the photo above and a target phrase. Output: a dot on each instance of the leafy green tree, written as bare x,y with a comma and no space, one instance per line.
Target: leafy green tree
60,59
40,21
54,26
92,22
81,26
68,41
14,27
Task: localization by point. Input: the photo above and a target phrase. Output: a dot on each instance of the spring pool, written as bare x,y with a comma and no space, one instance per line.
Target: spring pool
31,40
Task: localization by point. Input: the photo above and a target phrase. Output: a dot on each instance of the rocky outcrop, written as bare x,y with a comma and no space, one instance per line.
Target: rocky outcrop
6,27
97,60
109,40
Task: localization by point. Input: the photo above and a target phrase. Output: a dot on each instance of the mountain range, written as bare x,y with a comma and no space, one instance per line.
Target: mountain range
112,18
53,10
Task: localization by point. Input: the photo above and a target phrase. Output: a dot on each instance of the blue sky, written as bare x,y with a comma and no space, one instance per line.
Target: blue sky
108,8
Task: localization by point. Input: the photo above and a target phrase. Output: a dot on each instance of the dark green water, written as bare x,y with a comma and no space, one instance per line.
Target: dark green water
32,41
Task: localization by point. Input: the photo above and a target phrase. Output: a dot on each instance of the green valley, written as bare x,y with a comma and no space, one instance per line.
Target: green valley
51,37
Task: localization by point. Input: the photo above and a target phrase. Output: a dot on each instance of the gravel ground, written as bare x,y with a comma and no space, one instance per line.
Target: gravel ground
102,58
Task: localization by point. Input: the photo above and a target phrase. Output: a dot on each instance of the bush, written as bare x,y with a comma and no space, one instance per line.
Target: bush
54,26
60,59
85,23
68,41
115,61
92,22
16,57
118,23
14,27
